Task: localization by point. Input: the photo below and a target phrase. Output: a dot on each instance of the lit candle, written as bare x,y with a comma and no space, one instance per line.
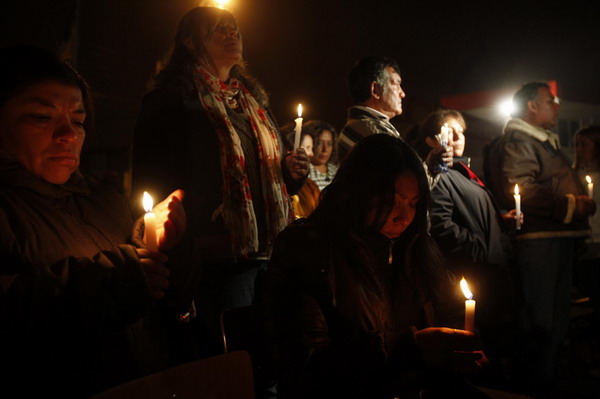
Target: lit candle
469,306
590,185
518,206
149,224
298,128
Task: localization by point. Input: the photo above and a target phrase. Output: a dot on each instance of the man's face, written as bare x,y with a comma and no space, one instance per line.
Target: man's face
391,95
544,109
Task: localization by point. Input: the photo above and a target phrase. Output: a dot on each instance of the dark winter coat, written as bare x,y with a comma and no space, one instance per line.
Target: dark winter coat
71,285
176,146
344,319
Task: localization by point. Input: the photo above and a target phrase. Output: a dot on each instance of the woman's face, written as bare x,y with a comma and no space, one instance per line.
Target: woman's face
324,148
584,149
42,128
223,47
307,144
457,138
404,210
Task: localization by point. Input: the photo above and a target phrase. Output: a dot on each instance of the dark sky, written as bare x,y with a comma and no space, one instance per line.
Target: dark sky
302,50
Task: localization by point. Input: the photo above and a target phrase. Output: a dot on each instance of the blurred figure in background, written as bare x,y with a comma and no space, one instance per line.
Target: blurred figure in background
375,89
557,209
306,200
587,163
323,165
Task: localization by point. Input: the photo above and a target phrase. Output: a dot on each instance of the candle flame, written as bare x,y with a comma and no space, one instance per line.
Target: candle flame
588,179
516,189
147,202
299,110
465,289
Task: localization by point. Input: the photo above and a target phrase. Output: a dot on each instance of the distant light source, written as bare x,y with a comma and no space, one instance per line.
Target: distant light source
221,3
506,107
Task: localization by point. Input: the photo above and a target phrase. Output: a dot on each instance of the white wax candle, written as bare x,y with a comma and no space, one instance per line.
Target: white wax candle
469,306
590,186
298,128
470,315
518,206
149,224
444,132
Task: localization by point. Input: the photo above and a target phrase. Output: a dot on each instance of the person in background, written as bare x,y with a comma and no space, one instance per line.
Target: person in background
375,89
557,209
306,200
323,165
206,126
73,285
473,235
587,163
355,290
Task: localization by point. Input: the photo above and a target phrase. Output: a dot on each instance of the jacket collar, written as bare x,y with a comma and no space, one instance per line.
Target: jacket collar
535,132
361,112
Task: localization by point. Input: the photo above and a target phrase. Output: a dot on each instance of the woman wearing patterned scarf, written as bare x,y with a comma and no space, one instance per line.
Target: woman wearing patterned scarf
206,127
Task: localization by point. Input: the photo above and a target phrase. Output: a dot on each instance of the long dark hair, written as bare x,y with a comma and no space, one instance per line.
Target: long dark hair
591,132
360,198
176,69
315,127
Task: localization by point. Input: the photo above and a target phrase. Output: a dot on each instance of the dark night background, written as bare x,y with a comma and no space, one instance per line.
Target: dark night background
302,50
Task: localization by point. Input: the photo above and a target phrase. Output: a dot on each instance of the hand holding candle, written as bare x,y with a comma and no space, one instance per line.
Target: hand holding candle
170,222
518,206
590,186
442,138
444,133
298,128
149,224
469,306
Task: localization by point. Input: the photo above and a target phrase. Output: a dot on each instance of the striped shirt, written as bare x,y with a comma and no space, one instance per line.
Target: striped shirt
363,122
322,179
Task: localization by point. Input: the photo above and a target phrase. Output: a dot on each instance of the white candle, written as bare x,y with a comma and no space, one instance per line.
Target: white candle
444,133
149,224
298,128
518,206
590,186
469,306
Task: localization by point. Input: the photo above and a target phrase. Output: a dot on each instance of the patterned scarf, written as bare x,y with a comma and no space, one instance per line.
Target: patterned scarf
237,207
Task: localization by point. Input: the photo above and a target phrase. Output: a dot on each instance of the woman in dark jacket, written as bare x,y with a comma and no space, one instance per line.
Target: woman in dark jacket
355,290
73,286
472,233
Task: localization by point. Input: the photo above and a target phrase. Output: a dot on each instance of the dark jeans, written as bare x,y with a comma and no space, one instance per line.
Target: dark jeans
223,286
544,269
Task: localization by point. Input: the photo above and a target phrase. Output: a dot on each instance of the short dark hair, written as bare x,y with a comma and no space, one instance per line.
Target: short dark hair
366,71
431,127
527,92
24,66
